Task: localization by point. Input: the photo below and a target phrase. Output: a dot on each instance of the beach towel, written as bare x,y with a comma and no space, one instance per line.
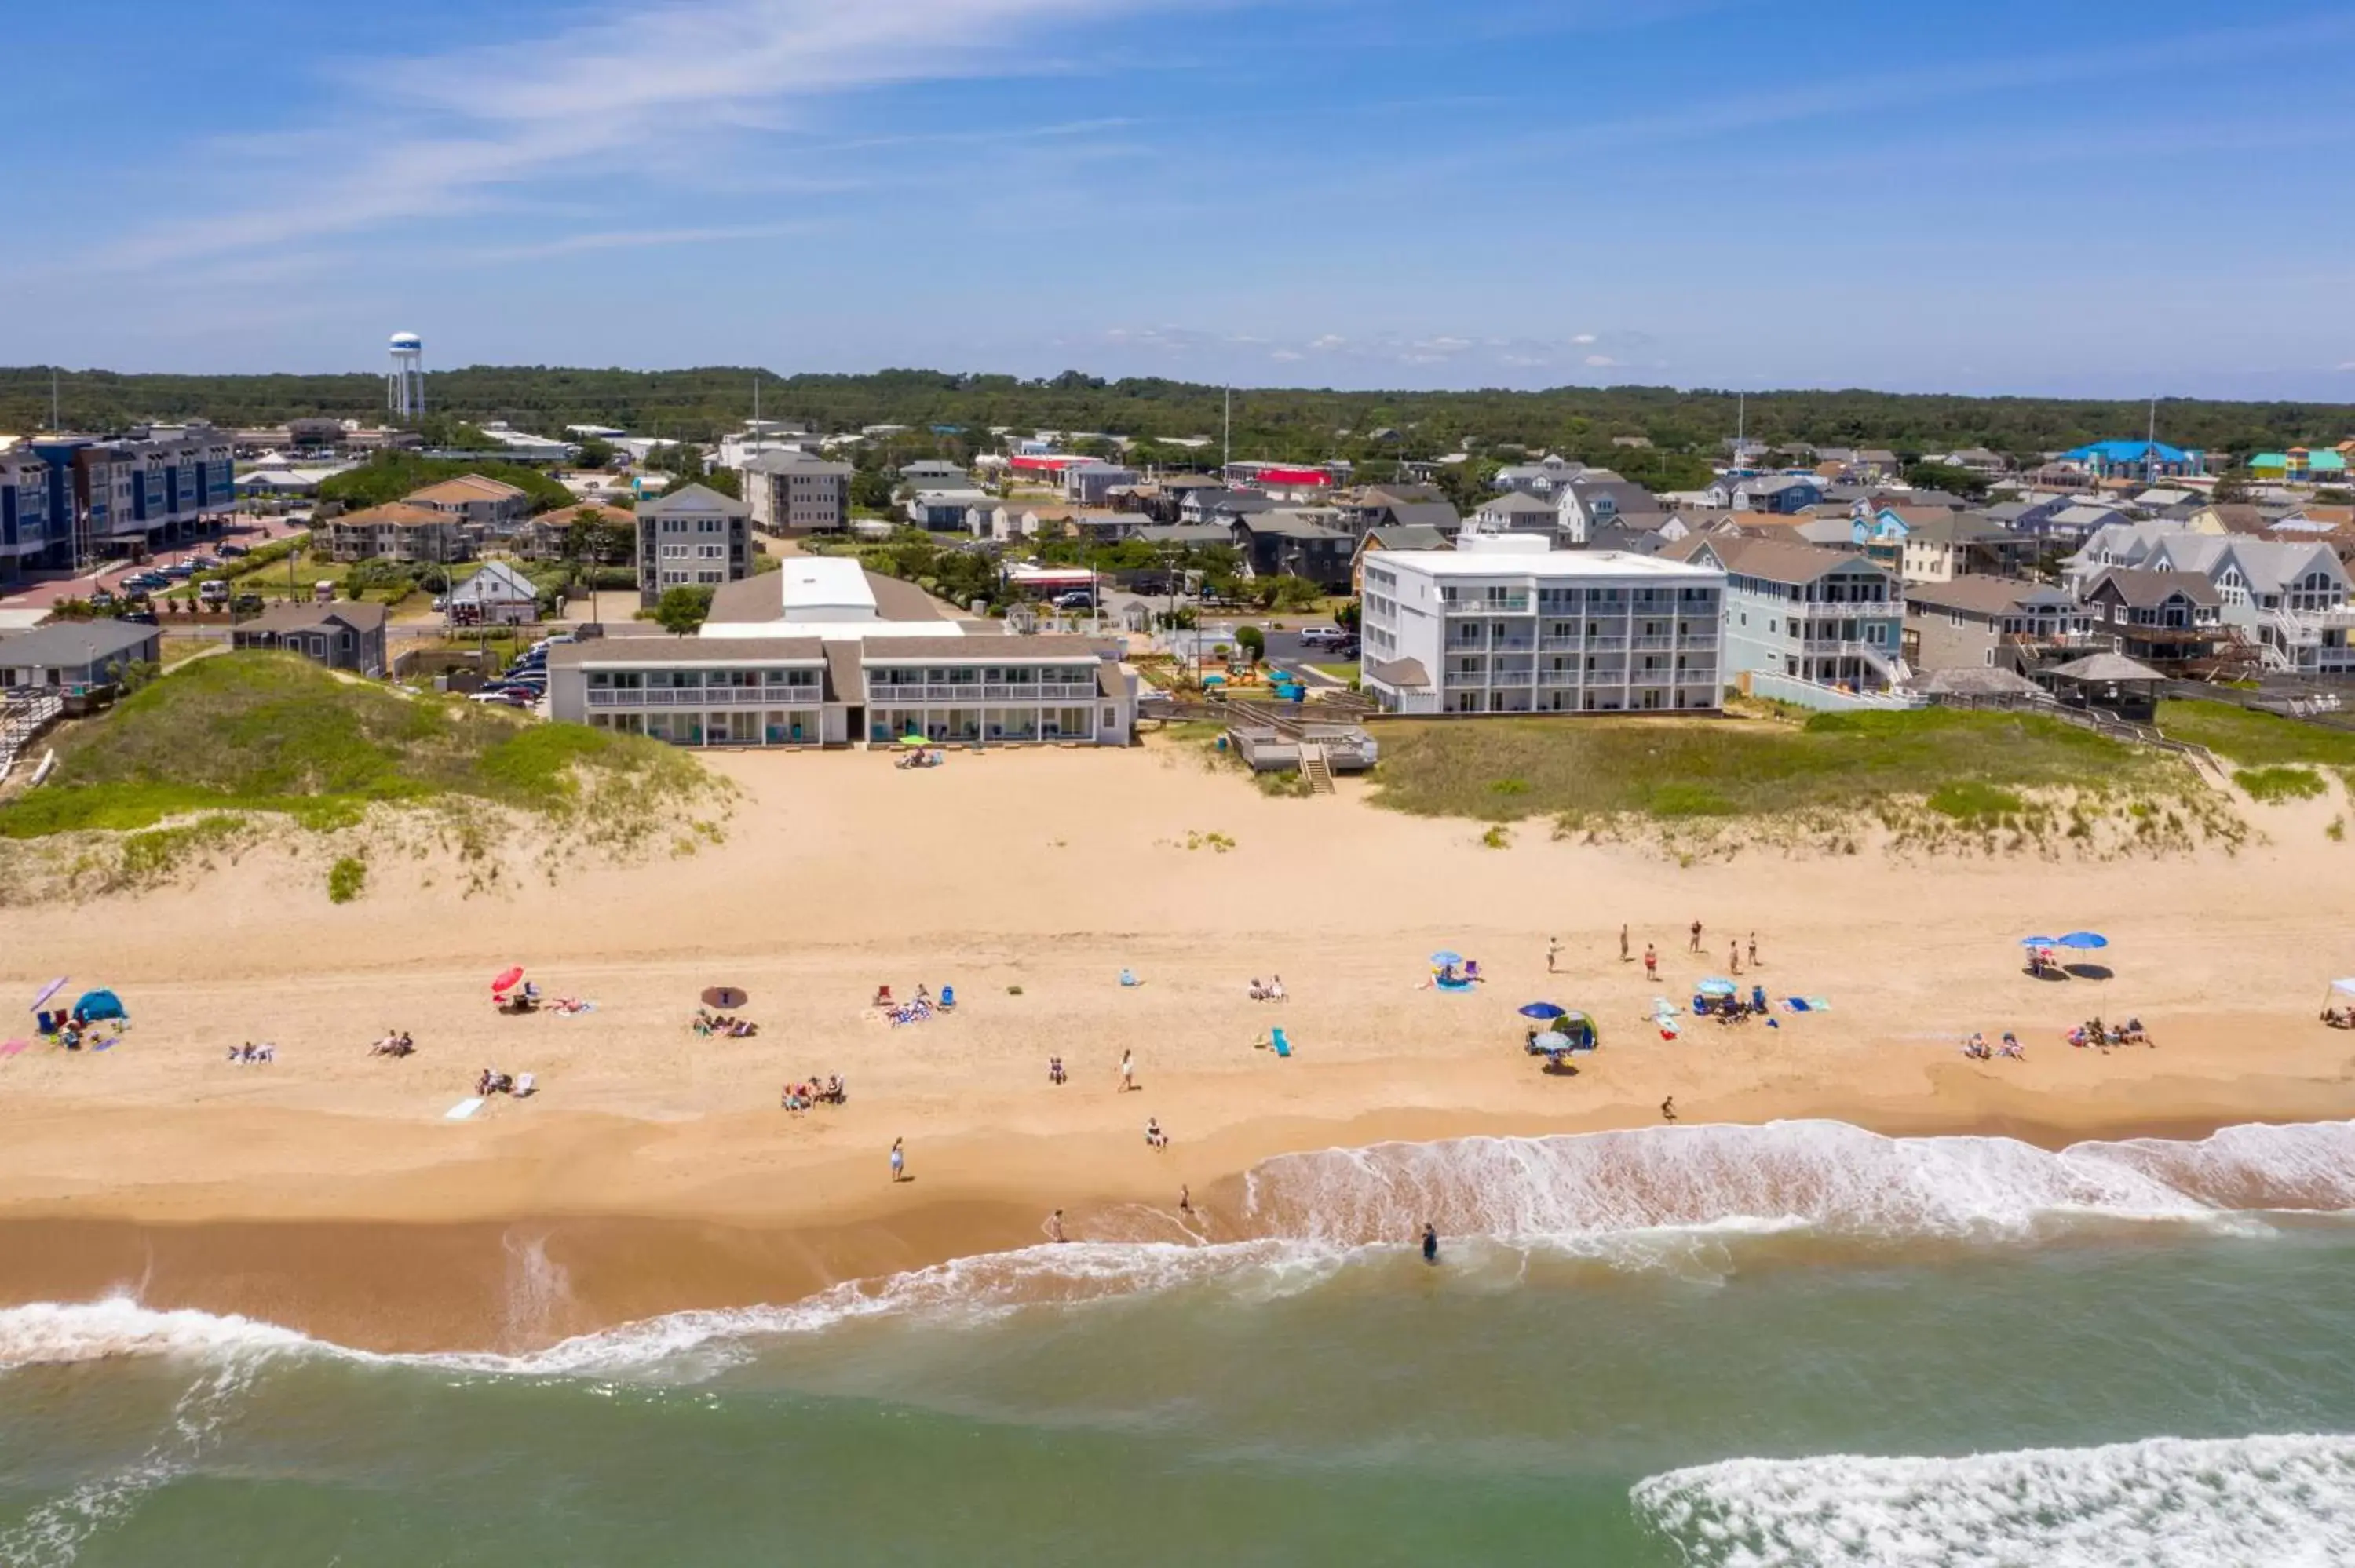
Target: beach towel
1817,1004
1282,1046
1796,1004
463,1108
15,1048
106,1045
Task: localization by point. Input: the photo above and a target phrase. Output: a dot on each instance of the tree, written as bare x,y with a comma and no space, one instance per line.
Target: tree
1945,476
681,611
727,482
2231,488
595,453
870,491
1252,641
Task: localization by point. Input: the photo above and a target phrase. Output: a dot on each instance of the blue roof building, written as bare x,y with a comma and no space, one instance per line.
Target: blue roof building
2137,459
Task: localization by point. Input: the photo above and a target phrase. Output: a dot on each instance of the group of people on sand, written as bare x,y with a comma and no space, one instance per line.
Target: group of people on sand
1272,991
1978,1050
917,1008
726,1026
395,1042
2339,1017
801,1096
2093,1031
249,1052
490,1081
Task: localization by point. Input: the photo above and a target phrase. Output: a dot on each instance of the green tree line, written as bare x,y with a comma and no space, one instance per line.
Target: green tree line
1281,424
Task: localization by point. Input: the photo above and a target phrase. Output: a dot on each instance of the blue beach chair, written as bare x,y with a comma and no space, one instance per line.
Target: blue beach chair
1282,1047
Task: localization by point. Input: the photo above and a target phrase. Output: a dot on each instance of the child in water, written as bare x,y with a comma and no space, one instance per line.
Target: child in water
1430,1243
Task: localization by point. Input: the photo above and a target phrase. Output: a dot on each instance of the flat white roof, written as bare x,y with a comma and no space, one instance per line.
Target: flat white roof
832,631
1553,564
825,582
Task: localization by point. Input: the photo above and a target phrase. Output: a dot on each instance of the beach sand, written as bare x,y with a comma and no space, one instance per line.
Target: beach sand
654,1170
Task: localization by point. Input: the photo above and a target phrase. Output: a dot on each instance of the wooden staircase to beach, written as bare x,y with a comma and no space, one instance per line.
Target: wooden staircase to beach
22,719
1317,767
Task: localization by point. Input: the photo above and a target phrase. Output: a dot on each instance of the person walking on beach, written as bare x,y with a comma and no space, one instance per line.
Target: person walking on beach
1753,949
1553,951
1622,945
1185,1200
1127,1071
1669,1109
1430,1242
1696,939
1055,1227
1734,956
1651,962
899,1160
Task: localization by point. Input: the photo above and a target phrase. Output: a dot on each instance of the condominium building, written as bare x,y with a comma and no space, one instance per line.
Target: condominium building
71,499
692,537
793,491
1504,625
991,690
399,531
1830,616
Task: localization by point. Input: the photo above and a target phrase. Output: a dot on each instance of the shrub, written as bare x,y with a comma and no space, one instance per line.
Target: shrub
346,879
1969,800
2273,785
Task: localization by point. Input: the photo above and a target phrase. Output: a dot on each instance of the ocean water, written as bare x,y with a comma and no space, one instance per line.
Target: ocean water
1794,1344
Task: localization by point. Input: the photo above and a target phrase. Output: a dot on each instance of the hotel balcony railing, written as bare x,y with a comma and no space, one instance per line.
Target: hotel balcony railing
1656,643
1512,604
703,696
977,691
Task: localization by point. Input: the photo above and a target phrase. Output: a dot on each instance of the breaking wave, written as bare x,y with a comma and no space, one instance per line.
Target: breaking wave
1630,1199
2168,1502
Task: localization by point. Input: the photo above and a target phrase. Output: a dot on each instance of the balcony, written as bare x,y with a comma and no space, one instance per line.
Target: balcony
703,696
979,691
1655,643
1511,604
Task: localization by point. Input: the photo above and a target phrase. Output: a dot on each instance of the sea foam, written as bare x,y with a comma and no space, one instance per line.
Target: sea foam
2168,1502
1633,1200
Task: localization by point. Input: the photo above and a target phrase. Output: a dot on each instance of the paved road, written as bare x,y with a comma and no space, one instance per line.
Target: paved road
53,588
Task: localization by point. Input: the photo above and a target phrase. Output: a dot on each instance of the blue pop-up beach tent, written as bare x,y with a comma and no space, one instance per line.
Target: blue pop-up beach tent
97,1004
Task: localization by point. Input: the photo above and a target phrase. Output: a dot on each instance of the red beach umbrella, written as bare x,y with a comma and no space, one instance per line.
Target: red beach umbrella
508,977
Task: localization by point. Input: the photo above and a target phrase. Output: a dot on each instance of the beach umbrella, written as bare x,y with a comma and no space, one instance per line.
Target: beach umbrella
2087,940
1546,1044
1715,987
47,992
1443,958
914,740
724,996
507,977
2035,941
1542,1010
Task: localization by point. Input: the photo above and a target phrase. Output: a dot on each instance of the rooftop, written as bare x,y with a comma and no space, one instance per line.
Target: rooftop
1561,564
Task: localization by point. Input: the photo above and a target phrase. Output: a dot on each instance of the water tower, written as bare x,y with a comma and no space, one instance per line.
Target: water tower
404,385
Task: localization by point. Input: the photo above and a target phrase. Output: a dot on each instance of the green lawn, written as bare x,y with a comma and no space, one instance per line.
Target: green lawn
1968,766
2256,739
1343,674
269,732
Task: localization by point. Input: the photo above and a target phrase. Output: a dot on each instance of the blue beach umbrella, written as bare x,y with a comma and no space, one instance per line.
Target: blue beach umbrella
2037,942
1443,958
1542,1010
1714,987
2084,939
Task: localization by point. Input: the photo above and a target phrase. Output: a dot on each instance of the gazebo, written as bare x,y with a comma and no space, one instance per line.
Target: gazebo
2110,682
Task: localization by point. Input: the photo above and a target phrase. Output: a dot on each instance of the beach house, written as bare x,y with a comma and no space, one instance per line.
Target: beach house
1832,617
2159,618
1985,622
341,635
692,537
2289,595
72,654
1503,624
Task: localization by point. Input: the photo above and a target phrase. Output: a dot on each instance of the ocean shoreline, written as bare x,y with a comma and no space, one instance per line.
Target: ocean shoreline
520,1282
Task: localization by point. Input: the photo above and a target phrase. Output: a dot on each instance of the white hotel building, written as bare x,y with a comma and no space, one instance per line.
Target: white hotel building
824,654
1504,625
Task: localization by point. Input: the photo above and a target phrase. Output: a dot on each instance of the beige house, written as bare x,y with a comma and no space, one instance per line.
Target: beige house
487,503
1974,622
399,531
342,636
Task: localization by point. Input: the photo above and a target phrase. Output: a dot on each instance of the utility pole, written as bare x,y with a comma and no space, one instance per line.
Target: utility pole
1227,435
2150,449
53,399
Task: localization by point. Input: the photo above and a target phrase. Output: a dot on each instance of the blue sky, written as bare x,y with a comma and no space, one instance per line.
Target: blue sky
2087,197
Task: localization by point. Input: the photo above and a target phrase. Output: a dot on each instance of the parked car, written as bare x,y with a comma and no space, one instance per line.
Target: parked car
246,604
213,591
231,550
179,571
1322,637
145,582
1078,598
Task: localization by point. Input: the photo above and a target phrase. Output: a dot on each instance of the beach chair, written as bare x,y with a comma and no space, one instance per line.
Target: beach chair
50,1023
523,1085
1758,999
1281,1046
948,999
1128,976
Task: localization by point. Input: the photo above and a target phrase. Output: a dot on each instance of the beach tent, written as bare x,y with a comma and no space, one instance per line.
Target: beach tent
97,1004
1717,987
1572,1031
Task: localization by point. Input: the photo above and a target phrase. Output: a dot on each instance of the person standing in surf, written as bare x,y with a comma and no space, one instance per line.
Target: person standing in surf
1430,1243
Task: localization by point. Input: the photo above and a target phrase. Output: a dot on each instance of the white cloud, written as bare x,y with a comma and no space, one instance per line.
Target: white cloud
1600,361
627,90
1583,338
1331,339
2346,365
1287,354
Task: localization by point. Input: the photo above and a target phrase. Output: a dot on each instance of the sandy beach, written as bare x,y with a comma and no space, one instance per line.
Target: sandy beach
654,1169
